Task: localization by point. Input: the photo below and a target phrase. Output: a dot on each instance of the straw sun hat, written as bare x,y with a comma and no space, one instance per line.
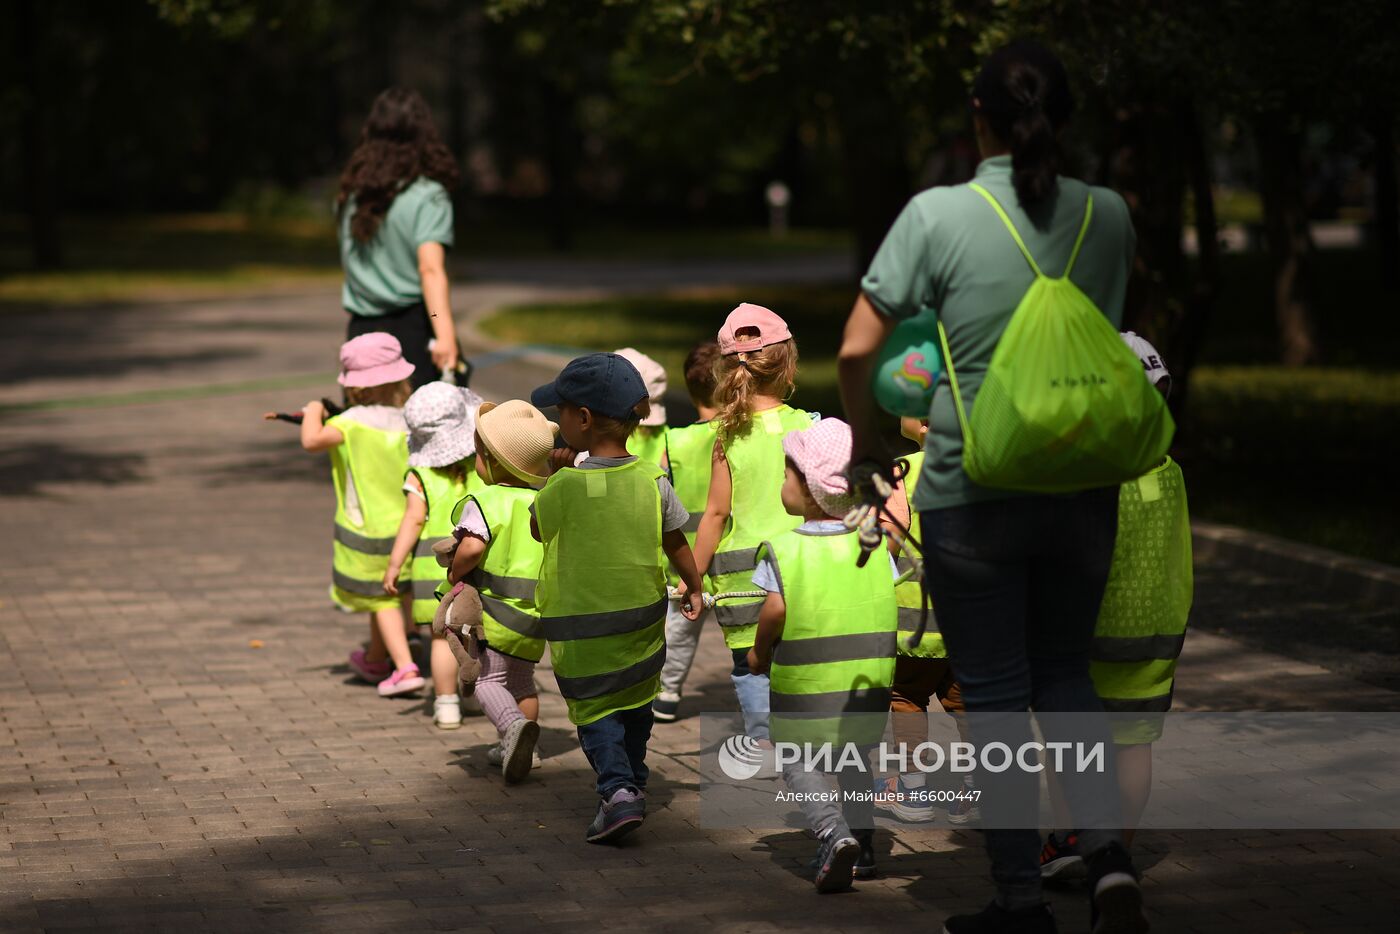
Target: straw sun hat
518,437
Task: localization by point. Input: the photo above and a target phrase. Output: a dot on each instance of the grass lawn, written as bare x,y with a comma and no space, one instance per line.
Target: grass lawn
1304,454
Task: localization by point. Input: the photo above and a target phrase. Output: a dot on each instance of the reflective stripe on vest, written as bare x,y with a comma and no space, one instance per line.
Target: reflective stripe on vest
442,488
837,651
910,594
373,463
508,577
756,515
602,594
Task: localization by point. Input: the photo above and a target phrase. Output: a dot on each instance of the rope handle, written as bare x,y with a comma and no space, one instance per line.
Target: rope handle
957,394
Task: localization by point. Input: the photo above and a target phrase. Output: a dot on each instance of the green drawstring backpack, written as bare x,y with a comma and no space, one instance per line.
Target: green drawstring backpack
1063,405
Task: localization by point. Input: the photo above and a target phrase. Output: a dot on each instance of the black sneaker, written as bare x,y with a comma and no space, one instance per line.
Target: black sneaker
617,817
865,862
1116,907
666,707
835,862
995,919
1060,860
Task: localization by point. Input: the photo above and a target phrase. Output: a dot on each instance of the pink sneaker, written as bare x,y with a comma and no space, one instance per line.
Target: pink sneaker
404,681
368,671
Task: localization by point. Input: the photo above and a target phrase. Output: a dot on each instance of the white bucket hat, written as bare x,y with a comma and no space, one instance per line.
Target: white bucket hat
441,425
1152,363
654,375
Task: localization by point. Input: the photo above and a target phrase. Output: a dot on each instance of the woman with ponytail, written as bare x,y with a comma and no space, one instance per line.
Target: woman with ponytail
756,373
1016,579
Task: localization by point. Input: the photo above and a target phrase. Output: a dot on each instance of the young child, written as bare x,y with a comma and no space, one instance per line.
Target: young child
442,470
602,592
920,673
757,372
688,452
1140,630
368,458
828,629
497,554
650,439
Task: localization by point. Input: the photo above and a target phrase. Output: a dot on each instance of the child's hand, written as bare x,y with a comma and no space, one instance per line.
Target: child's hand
692,604
758,664
560,458
391,580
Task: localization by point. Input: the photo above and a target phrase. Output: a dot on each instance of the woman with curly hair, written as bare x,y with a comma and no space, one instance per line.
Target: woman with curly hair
395,225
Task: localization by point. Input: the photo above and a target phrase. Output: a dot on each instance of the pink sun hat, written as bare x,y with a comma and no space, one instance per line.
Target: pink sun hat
771,329
372,360
822,454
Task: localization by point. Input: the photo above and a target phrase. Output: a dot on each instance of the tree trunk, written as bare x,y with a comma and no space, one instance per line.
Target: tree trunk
1387,209
39,199
873,147
1286,232
1184,348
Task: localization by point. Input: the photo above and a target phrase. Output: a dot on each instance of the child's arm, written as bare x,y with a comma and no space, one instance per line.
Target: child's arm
717,509
678,550
470,551
898,505
771,618
316,435
415,514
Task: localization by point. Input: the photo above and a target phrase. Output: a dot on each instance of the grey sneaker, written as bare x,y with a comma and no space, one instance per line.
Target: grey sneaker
517,746
495,757
618,816
836,860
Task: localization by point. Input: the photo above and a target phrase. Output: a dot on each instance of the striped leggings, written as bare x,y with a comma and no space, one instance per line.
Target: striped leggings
504,679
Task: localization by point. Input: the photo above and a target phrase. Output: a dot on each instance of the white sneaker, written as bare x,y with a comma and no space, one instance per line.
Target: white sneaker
496,757
447,712
517,750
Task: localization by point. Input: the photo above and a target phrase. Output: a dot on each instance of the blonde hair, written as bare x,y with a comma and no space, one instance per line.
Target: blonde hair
391,394
771,371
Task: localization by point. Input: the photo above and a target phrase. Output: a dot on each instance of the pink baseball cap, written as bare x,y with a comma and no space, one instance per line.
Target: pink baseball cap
822,454
771,330
372,360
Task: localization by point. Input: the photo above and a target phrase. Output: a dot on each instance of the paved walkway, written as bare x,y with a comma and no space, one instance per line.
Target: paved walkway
181,746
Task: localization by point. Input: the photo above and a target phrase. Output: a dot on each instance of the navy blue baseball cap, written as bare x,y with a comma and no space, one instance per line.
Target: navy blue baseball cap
600,382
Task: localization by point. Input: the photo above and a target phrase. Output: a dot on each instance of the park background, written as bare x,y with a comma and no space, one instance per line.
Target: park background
190,148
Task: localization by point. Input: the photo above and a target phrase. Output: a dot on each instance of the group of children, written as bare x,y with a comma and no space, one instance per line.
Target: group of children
602,546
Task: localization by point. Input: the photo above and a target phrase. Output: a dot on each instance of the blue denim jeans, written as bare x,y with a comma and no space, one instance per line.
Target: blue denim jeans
1018,583
616,747
752,691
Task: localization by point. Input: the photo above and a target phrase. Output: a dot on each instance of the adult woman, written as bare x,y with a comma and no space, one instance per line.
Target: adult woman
395,216
1017,580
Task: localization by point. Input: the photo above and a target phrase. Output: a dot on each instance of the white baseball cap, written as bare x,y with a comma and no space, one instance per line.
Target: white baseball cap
1152,364
654,375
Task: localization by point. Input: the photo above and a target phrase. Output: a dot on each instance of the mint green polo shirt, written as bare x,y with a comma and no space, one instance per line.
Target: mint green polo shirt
382,275
949,252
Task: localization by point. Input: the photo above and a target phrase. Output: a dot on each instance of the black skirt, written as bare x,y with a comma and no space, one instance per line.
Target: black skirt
413,330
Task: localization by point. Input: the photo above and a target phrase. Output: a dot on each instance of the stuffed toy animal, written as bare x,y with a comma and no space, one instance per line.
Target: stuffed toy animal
458,620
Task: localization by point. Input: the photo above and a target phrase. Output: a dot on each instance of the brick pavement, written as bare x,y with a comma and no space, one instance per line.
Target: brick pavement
181,745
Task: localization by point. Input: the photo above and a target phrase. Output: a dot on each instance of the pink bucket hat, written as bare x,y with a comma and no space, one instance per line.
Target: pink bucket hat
373,360
771,329
654,375
822,453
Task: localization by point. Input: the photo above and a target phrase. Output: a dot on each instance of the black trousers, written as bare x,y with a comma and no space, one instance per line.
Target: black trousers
413,330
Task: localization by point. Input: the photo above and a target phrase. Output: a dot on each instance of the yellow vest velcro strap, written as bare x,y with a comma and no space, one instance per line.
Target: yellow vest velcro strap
734,562
743,614
584,688
1158,704
515,588
363,588
859,700
593,625
511,618
909,620
692,525
425,590
1136,648
362,543
843,648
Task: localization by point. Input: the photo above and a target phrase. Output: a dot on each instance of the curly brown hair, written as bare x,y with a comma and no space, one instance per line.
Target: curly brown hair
398,143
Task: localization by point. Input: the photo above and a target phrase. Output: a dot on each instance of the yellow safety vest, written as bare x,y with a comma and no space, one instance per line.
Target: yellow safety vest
374,461
648,443
756,515
837,651
442,488
602,593
509,573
